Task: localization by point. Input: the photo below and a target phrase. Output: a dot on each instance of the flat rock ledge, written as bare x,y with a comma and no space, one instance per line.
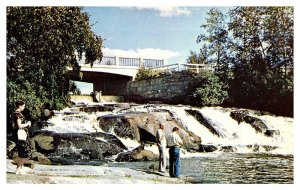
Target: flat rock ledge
85,174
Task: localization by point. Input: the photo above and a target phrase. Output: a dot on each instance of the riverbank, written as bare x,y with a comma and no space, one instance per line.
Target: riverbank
85,174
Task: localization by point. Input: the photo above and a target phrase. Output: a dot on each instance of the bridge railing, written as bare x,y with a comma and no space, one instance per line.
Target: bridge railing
124,61
107,61
130,62
153,62
184,67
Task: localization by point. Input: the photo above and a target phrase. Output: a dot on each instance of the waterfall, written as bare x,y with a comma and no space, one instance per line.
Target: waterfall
241,136
214,125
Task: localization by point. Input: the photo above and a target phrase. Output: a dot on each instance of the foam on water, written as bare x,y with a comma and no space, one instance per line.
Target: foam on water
238,135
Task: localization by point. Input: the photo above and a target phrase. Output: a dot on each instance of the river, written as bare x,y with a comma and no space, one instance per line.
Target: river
230,168
256,159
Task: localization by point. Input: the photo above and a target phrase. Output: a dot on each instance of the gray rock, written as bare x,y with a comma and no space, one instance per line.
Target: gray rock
10,149
142,127
58,147
256,123
138,154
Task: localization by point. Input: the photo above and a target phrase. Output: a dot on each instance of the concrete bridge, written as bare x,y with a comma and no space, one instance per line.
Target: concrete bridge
111,75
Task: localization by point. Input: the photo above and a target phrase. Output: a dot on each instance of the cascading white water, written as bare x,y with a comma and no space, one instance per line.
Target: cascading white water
239,135
285,140
77,122
242,136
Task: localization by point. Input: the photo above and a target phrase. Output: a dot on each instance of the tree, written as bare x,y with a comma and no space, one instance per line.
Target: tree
199,58
253,50
42,42
215,42
263,46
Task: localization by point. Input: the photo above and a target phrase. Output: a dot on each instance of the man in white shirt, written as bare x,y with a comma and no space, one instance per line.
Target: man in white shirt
174,142
162,143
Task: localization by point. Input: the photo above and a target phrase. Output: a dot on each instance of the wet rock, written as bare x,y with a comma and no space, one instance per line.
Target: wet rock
272,133
269,148
142,127
261,148
75,118
207,148
243,116
239,115
205,122
100,108
138,154
76,146
43,143
46,114
256,123
118,124
228,149
254,148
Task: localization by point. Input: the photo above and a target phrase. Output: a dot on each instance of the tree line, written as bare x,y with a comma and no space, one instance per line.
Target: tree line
253,50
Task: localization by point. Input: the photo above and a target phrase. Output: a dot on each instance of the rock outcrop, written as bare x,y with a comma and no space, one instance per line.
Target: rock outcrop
256,123
78,145
142,127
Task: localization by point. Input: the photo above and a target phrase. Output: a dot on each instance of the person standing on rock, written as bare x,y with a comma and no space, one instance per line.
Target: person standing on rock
174,142
21,136
162,144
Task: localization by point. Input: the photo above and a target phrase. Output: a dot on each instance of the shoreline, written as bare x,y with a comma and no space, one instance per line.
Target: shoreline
86,174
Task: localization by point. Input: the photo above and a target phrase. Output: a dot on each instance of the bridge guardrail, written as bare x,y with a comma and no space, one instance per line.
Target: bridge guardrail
153,64
184,66
127,61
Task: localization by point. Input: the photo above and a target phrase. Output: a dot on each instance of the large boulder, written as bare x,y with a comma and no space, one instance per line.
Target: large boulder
142,127
58,147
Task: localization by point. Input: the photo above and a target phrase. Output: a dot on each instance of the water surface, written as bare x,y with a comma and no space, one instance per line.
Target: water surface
231,168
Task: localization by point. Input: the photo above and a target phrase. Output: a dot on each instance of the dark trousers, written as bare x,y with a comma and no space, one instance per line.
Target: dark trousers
174,158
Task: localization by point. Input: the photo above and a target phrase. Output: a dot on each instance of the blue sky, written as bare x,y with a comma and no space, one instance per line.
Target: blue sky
168,33
150,32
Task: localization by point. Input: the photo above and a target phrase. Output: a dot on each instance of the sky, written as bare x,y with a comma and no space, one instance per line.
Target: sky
167,33
161,32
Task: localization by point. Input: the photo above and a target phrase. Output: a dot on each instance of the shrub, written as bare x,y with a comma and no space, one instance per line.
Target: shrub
206,90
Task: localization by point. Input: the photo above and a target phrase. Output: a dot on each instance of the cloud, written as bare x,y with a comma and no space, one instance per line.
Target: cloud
147,53
168,11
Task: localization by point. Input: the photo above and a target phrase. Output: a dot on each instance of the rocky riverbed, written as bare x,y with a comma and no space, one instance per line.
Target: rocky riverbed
86,174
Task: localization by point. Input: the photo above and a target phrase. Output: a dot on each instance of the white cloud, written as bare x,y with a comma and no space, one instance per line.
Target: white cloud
168,11
147,53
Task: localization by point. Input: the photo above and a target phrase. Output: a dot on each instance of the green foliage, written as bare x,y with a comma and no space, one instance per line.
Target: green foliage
252,48
263,46
206,90
42,42
146,73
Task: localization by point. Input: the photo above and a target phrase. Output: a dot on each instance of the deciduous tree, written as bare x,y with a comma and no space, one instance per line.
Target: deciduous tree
42,43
